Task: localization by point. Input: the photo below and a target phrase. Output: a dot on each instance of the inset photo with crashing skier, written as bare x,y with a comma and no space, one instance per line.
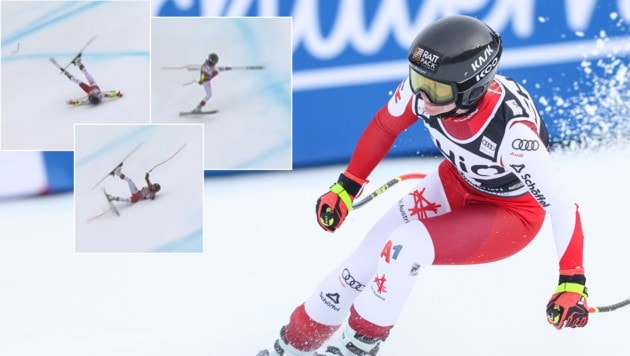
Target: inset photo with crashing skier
72,62
233,75
138,188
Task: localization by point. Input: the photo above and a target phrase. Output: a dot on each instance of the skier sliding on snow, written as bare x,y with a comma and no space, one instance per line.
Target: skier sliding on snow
485,202
94,93
147,192
207,72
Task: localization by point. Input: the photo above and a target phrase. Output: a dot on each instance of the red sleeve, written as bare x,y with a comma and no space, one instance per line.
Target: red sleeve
377,140
573,255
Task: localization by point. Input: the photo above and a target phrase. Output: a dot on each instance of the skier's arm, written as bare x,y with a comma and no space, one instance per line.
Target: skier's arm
206,77
373,145
148,181
112,94
78,102
523,151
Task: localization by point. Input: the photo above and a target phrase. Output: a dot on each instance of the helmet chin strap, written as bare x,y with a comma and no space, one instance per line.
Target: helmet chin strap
454,112
451,113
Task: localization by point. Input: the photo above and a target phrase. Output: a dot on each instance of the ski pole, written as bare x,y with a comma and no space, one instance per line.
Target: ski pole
383,188
608,308
168,159
190,67
243,68
189,83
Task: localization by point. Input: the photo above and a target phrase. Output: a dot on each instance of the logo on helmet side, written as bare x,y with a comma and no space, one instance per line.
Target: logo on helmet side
483,58
425,58
487,69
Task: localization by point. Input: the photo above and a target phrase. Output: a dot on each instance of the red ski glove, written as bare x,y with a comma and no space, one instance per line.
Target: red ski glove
567,306
332,207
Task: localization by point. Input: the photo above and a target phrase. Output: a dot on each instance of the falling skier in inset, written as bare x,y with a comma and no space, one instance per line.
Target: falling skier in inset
207,72
94,93
147,192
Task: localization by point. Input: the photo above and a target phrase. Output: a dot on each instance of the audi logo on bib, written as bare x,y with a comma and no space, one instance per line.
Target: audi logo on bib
525,145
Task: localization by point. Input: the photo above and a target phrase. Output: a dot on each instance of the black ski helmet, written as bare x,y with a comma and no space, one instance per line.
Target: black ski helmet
94,98
457,52
214,58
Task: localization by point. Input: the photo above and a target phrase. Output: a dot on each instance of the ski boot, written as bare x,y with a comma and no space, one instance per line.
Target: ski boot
67,74
197,109
77,60
117,172
352,343
109,196
282,348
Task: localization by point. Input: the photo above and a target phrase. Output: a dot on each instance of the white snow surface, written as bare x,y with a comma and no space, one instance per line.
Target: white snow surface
173,221
252,130
35,115
264,254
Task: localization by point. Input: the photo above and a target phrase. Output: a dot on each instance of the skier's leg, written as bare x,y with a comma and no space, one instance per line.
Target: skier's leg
481,228
86,88
128,200
208,89
475,230
207,86
312,323
132,186
87,74
374,313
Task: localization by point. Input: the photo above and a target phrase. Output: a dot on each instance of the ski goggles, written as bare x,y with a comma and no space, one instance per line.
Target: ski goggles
438,93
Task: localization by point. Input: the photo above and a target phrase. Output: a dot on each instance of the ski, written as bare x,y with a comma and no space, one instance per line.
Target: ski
187,113
99,215
80,52
63,69
111,173
111,207
54,61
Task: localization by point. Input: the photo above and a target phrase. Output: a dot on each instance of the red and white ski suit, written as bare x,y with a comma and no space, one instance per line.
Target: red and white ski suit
207,72
486,201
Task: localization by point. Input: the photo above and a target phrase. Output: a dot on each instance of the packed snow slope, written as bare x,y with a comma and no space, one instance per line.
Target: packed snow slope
261,260
173,221
35,115
252,130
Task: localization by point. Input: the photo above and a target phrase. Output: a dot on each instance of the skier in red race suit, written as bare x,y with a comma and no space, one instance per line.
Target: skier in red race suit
485,201
147,192
206,74
94,93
